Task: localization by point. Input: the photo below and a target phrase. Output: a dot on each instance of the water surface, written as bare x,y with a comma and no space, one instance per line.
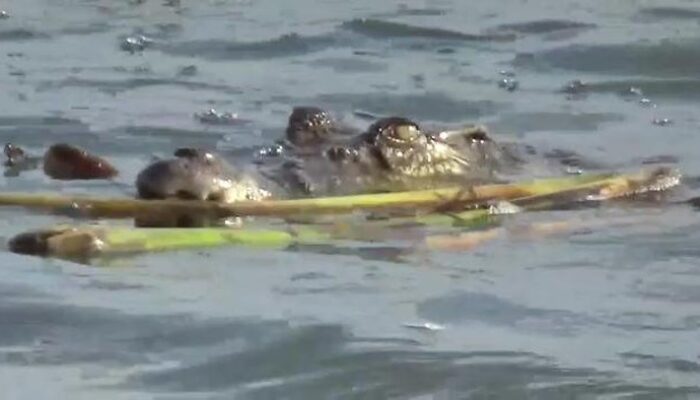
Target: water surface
609,313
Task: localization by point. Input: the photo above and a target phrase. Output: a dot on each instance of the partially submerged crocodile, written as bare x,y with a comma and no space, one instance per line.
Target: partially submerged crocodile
318,158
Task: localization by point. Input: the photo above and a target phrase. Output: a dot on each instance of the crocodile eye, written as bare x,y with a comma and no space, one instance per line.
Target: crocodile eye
406,132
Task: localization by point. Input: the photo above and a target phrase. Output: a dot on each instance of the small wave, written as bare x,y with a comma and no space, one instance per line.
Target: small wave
168,132
430,106
553,121
684,88
21,34
543,26
88,29
404,11
385,29
284,46
349,65
460,306
649,361
117,86
33,130
665,13
679,58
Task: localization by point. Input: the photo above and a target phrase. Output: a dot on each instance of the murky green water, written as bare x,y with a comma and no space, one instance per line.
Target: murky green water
610,313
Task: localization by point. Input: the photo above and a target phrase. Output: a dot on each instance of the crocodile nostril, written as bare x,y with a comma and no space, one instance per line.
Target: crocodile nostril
216,197
478,136
186,195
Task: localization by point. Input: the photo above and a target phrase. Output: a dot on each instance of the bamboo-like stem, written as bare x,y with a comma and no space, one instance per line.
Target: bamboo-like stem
86,242
128,208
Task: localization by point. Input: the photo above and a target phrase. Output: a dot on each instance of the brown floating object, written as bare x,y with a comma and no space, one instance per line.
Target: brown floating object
66,162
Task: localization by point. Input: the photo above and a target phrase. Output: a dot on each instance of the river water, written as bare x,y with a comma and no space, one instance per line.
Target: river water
610,312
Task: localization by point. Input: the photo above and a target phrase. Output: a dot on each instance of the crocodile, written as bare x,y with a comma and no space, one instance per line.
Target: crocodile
319,158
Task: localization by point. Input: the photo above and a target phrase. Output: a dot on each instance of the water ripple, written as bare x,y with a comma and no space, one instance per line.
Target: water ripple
481,307
543,26
382,29
122,85
680,88
21,34
432,106
291,44
669,58
668,13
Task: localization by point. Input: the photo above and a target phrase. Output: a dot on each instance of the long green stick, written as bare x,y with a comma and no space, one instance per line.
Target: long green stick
128,208
86,242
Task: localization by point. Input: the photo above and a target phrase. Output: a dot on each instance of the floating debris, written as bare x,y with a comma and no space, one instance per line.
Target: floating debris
428,326
66,162
508,84
662,121
134,44
214,117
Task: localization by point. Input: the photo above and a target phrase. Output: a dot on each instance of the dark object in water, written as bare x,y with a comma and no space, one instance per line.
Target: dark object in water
15,155
66,162
17,160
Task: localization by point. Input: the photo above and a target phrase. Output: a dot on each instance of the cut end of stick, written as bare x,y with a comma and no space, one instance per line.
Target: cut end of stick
60,242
